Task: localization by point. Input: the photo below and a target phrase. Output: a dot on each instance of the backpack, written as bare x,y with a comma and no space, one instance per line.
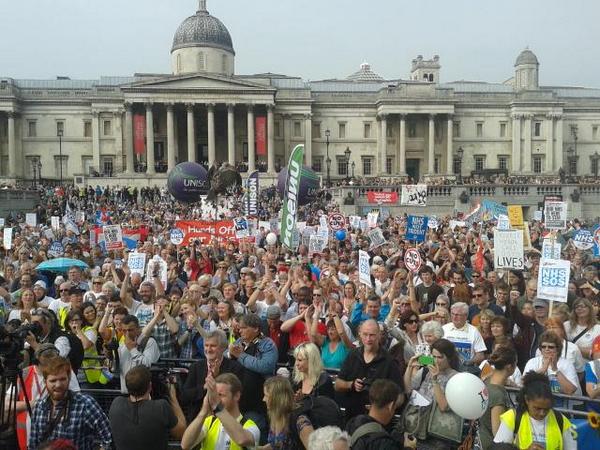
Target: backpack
366,436
76,353
322,411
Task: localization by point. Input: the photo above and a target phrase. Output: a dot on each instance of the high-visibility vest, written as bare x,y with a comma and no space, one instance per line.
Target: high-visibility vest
524,435
215,428
92,375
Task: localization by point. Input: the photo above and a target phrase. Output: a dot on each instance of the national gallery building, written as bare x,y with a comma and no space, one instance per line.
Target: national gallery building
139,127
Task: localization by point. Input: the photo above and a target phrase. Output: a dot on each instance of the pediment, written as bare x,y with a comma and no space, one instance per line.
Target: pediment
199,82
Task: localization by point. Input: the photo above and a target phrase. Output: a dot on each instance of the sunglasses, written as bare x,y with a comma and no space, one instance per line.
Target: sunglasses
413,321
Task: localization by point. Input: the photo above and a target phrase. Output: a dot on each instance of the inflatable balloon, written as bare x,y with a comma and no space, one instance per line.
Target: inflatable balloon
467,395
188,181
309,185
340,235
271,239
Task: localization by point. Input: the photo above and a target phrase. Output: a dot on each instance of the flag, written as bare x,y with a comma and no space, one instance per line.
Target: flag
479,261
290,198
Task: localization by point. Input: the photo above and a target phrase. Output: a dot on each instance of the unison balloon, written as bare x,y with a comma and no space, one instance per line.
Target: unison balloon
188,181
309,185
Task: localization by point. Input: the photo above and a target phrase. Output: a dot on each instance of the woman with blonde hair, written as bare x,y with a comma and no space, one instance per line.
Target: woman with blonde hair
310,378
582,327
485,328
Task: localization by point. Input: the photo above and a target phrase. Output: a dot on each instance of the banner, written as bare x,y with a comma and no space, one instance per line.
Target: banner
139,134
416,228
261,135
492,210
130,237
553,279
204,230
414,194
555,215
364,269
7,239
113,237
508,249
551,249
596,240
137,262
252,194
290,197
386,198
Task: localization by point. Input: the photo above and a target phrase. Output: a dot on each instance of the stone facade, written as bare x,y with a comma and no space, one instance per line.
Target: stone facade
203,112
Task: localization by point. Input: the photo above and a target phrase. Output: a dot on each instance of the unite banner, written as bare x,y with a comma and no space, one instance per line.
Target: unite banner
204,230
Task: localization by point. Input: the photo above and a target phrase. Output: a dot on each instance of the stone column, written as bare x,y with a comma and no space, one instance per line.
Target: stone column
550,144
150,169
431,153
231,133
251,149
95,140
516,143
118,116
287,134
308,140
210,122
270,140
129,167
559,142
12,149
527,161
383,145
191,133
449,145
402,144
170,137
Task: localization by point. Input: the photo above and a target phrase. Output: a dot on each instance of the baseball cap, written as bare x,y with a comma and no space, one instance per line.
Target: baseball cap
40,283
273,312
539,302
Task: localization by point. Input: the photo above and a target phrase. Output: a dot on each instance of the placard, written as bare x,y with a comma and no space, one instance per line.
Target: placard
137,262
336,221
372,219
55,223
492,210
2,222
414,194
416,228
323,221
412,260
354,221
162,268
555,215
7,239
515,216
537,215
432,223
551,249
56,249
316,244
503,223
508,249
583,239
553,279
376,237
241,228
176,236
364,269
31,219
596,240
113,237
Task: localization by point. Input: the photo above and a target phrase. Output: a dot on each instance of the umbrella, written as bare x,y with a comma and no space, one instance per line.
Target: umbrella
61,265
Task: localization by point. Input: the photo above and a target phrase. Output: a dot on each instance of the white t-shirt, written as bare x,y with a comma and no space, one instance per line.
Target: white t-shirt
16,314
142,311
538,427
564,366
467,340
57,304
584,341
572,353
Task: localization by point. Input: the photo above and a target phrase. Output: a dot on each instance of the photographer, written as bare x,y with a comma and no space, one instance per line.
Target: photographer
138,421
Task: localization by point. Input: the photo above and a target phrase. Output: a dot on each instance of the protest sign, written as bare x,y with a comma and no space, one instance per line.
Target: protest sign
551,249
583,239
364,224
432,223
526,236
137,262
553,279
414,194
492,210
7,238
323,221
157,267
316,244
113,237
55,222
274,225
388,198
31,219
503,223
49,234
364,269
376,237
56,249
412,260
537,215
515,216
555,215
241,228
336,221
204,230
323,232
597,240
416,228
508,249
354,221
176,236
372,219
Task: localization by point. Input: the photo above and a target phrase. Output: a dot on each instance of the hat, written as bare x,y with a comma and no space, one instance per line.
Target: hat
40,283
540,302
43,348
59,280
587,285
273,312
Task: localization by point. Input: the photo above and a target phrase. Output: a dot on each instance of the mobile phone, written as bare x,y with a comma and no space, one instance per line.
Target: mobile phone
425,360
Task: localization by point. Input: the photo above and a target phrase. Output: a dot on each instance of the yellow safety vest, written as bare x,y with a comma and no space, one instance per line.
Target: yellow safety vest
215,428
524,435
92,375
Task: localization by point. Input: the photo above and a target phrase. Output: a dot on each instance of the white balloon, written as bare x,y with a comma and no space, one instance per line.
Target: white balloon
271,239
467,395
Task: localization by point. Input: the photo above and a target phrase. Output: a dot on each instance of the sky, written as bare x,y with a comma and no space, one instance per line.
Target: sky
314,39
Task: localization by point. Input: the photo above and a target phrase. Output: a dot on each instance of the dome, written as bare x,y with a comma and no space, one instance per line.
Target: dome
526,57
202,30
365,74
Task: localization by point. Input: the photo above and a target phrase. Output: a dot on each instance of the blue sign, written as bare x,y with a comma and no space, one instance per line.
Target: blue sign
416,228
176,236
56,249
597,240
492,210
583,239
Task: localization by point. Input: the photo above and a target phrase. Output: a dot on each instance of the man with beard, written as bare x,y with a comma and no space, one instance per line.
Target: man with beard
66,414
144,309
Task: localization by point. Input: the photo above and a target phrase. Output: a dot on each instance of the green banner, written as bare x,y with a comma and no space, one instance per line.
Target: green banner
290,198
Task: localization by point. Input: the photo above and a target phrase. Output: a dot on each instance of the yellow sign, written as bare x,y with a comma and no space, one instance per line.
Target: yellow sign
515,216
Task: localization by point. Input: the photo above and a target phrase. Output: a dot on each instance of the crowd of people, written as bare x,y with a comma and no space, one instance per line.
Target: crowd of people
248,344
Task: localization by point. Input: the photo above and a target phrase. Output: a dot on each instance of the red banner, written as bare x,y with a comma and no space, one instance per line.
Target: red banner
386,198
261,135
204,230
139,133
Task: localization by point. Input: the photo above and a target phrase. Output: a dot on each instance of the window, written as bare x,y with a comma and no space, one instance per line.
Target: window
456,166
503,162
595,132
58,166
456,126
479,163
594,161
389,164
107,167
277,128
537,164
537,129
201,61
436,165
31,128
316,129
502,129
342,165
317,163
60,128
412,129
107,128
367,130
86,163
479,129
87,128
342,130
297,129
367,163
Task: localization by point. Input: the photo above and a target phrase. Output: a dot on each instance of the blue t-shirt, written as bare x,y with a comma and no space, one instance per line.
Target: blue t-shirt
336,359
591,377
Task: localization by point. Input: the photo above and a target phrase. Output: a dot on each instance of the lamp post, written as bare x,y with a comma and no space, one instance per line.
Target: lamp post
60,162
328,160
347,153
459,156
595,158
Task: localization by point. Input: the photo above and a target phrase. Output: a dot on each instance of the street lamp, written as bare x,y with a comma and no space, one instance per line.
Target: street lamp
347,153
459,156
60,135
328,160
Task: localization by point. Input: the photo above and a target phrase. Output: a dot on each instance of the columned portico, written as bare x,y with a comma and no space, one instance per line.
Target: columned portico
191,133
308,140
431,152
95,140
527,161
550,143
402,144
150,169
449,145
231,134
129,169
559,141
251,149
383,144
516,143
170,137
210,123
270,140
12,150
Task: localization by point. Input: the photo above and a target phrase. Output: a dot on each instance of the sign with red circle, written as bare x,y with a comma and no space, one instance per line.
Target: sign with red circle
412,260
337,221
